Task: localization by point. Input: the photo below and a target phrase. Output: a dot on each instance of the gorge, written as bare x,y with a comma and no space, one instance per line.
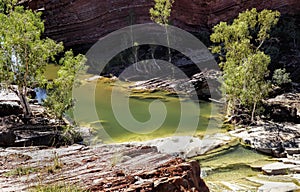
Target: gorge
225,164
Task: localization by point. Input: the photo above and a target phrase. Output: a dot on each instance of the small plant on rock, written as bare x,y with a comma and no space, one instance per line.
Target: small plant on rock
20,171
57,164
281,77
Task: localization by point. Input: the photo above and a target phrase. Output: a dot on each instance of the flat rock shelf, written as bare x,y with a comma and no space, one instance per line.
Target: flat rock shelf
97,168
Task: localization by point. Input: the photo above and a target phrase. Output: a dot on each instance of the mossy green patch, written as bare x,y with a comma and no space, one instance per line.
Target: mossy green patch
57,188
20,171
232,165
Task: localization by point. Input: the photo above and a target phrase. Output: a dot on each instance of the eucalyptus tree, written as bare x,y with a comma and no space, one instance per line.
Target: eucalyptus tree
160,14
24,53
244,64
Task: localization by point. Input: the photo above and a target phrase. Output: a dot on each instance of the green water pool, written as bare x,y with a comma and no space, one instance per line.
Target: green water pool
193,119
232,165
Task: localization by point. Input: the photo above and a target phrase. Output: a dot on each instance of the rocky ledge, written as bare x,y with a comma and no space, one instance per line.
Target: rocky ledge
190,146
40,129
274,139
277,134
282,176
196,86
284,107
98,168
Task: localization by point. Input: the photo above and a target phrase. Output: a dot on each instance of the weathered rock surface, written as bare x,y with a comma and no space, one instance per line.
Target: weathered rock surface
285,107
278,168
10,104
270,138
196,86
40,129
80,23
269,186
188,146
279,176
99,168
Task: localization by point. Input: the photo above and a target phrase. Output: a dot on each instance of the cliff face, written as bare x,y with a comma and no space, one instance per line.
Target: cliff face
80,23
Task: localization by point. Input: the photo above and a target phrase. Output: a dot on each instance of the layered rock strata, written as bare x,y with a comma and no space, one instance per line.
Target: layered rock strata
39,129
80,23
98,168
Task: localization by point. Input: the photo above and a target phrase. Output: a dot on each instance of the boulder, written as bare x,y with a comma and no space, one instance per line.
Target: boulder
40,129
9,104
271,138
285,107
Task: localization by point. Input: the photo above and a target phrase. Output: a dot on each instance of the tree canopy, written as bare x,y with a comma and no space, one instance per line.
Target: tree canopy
60,90
25,54
161,11
160,14
244,64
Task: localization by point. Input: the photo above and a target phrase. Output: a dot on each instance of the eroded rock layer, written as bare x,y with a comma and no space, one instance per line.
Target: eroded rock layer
80,23
39,129
98,168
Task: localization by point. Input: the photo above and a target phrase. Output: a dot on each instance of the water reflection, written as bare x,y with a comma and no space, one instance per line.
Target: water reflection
41,94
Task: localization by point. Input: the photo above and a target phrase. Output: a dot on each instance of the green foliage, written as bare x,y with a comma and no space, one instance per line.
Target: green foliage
280,77
60,89
20,171
25,55
244,64
7,5
57,164
161,12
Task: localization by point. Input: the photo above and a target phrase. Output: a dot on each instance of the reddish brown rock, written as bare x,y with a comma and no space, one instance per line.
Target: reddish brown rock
98,168
80,23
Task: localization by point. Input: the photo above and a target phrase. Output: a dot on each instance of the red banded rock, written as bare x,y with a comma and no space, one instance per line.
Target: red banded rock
80,23
99,168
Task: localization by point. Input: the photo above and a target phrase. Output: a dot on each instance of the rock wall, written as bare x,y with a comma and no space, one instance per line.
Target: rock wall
80,23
